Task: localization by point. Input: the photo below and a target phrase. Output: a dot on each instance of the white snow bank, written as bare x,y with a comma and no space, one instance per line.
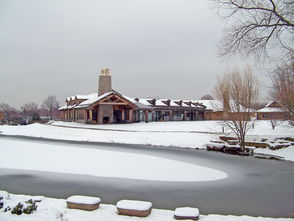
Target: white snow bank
261,127
134,205
180,139
83,199
37,198
54,157
287,153
186,134
4,194
187,212
55,209
179,126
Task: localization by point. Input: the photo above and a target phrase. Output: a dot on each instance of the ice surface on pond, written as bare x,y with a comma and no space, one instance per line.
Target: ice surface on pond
64,158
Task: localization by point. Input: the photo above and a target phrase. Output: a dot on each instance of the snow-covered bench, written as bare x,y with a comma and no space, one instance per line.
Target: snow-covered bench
134,208
186,213
83,202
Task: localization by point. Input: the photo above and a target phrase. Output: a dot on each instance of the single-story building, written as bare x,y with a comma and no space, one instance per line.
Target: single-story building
215,111
272,111
109,106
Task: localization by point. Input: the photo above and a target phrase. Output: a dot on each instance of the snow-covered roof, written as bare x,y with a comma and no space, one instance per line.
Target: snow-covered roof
129,99
94,99
160,103
142,106
271,109
63,108
82,97
214,105
174,104
270,103
185,105
85,97
71,106
144,101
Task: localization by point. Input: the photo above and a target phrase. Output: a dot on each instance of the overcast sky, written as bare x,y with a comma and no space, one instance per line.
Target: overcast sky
154,48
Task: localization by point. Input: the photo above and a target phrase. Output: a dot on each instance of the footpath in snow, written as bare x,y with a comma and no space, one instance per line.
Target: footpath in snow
50,209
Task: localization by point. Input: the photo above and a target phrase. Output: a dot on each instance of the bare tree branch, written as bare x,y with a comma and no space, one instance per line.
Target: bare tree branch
283,86
238,93
257,26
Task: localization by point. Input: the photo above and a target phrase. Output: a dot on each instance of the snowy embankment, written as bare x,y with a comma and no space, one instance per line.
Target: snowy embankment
162,138
55,209
187,134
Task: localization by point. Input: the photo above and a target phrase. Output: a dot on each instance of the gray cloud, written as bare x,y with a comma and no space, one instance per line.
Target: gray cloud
160,48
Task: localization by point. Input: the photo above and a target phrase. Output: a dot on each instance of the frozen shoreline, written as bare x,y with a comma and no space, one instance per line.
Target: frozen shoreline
180,134
55,209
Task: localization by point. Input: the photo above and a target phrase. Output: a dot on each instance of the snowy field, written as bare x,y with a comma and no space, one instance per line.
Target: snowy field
194,134
162,138
96,162
186,134
50,209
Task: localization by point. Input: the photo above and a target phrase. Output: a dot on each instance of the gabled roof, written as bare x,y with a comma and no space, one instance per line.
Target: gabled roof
82,97
63,108
272,106
214,105
93,100
270,109
174,104
145,101
160,103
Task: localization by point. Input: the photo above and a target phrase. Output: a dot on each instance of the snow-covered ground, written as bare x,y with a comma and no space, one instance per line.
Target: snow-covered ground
261,127
50,209
188,134
170,126
28,155
287,153
164,138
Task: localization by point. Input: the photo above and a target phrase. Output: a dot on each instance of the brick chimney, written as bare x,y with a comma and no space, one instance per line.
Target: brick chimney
104,82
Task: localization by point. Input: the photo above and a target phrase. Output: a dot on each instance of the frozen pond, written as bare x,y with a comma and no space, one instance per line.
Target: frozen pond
253,187
61,158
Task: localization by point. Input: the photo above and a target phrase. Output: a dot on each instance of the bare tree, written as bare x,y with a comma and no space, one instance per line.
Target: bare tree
9,112
30,110
50,105
238,93
283,86
207,97
257,27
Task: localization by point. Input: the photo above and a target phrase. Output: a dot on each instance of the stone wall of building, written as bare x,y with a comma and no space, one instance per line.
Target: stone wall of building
105,114
104,84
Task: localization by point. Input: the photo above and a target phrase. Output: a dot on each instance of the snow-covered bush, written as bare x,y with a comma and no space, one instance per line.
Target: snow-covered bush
28,207
1,202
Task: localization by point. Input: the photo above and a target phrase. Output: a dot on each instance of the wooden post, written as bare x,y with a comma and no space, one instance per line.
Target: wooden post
91,116
185,113
122,115
146,116
85,116
171,115
130,116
